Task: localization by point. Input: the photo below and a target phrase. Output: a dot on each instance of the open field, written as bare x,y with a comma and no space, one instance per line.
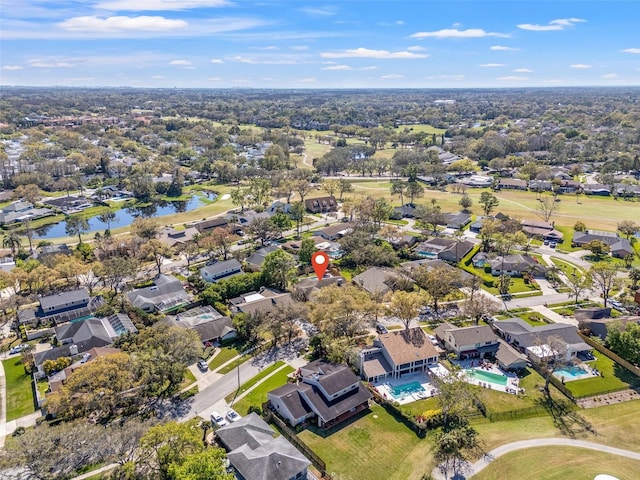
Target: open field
420,128
374,446
559,463
19,390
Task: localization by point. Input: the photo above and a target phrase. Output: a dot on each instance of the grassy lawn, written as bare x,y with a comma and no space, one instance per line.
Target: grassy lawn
238,361
19,391
534,318
374,446
224,355
559,463
615,376
251,382
189,378
491,282
258,395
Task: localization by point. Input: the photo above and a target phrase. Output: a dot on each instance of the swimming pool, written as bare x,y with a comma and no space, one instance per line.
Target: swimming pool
400,391
571,373
484,376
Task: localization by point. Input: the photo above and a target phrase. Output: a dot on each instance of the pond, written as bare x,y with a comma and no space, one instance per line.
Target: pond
125,216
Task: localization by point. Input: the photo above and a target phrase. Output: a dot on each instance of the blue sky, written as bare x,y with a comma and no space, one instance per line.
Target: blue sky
298,44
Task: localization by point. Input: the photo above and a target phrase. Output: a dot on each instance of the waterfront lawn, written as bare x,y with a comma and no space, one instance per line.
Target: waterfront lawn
19,389
614,377
372,446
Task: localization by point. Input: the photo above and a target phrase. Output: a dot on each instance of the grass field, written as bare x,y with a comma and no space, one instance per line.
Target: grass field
374,446
252,381
224,355
258,395
559,463
19,391
614,376
421,128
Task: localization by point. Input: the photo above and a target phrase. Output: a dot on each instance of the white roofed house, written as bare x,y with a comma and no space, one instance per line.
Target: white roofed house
165,295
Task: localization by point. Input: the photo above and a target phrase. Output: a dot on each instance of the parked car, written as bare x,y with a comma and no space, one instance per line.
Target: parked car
381,328
232,415
552,244
202,365
18,348
217,419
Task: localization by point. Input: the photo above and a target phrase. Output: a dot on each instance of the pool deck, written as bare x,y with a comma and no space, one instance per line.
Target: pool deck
384,387
588,373
513,381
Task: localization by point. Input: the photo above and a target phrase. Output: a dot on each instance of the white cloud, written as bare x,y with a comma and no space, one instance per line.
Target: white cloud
455,33
512,78
580,66
492,65
346,68
181,63
159,5
609,75
307,80
523,70
327,11
368,53
258,61
446,77
217,60
50,63
631,50
391,76
415,48
12,67
502,48
120,24
300,48
553,25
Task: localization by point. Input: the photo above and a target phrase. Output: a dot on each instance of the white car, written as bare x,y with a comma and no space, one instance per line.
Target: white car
232,415
218,419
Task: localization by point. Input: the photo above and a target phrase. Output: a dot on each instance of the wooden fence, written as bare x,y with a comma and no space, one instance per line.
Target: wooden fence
612,355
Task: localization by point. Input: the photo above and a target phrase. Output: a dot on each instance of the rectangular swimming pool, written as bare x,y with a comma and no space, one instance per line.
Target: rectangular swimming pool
484,376
400,391
571,373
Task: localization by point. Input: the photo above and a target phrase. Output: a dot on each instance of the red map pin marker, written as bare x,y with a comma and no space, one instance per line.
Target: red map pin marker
320,262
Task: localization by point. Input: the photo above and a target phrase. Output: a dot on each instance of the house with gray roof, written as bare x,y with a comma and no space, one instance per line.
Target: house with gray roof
515,265
255,453
444,248
256,259
219,270
304,289
166,294
380,280
622,248
457,220
509,358
20,210
260,301
582,238
329,392
476,341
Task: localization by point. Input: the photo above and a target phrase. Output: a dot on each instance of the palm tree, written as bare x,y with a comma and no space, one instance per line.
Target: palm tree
12,241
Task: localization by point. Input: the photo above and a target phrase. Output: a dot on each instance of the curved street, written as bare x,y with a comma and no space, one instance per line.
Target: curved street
481,464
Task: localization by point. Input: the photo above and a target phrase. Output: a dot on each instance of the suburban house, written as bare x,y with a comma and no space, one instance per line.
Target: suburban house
412,266
334,232
321,204
477,181
70,204
476,341
207,322
444,249
620,247
512,184
516,265
457,220
447,158
165,295
255,261
80,337
596,189
255,453
264,300
508,358
57,380
207,226
380,280
542,341
172,237
408,210
219,270
50,251
540,185
599,327
330,392
540,228
476,226
61,307
304,289
21,210
396,353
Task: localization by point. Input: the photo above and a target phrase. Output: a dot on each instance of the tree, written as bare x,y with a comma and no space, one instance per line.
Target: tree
625,340
145,228
278,269
157,251
281,221
465,202
399,187
259,189
431,215
340,311
222,240
405,306
107,217
330,186
76,225
344,186
438,282
628,228
116,270
634,276
580,227
240,196
205,465
504,284
307,249
578,284
262,229
414,190
27,227
604,277
12,241
547,207
298,211
598,248
302,188
478,305
488,201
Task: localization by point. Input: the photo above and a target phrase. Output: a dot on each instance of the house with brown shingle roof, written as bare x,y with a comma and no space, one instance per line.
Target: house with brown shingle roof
396,353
